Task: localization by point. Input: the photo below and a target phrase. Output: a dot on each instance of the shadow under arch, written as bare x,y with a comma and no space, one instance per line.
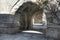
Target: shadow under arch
27,11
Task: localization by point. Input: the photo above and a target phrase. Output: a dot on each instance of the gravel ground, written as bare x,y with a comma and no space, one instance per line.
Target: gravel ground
22,36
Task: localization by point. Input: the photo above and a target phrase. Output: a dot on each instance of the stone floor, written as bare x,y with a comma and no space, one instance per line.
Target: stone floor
23,36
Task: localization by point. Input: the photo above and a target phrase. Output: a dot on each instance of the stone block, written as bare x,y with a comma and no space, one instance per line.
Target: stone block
8,24
53,33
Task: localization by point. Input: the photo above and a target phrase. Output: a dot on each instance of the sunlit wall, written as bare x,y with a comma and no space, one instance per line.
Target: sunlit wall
5,5
8,7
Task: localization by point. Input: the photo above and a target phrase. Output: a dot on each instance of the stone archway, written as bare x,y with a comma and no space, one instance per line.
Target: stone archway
36,18
26,11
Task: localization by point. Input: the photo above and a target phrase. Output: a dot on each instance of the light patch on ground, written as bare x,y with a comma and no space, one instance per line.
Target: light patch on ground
30,31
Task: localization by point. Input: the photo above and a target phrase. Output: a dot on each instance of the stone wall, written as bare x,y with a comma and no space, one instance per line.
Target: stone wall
8,23
53,20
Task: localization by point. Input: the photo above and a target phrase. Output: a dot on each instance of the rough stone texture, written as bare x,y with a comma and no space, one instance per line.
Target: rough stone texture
53,21
53,33
8,23
22,36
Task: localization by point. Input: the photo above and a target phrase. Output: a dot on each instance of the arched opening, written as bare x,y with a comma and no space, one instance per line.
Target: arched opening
37,18
26,11
38,21
29,11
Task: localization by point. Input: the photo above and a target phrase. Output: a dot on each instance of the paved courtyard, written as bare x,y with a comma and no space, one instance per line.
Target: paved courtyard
22,36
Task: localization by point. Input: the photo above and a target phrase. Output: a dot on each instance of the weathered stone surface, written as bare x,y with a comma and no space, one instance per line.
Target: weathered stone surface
23,36
53,21
53,33
8,30
8,23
